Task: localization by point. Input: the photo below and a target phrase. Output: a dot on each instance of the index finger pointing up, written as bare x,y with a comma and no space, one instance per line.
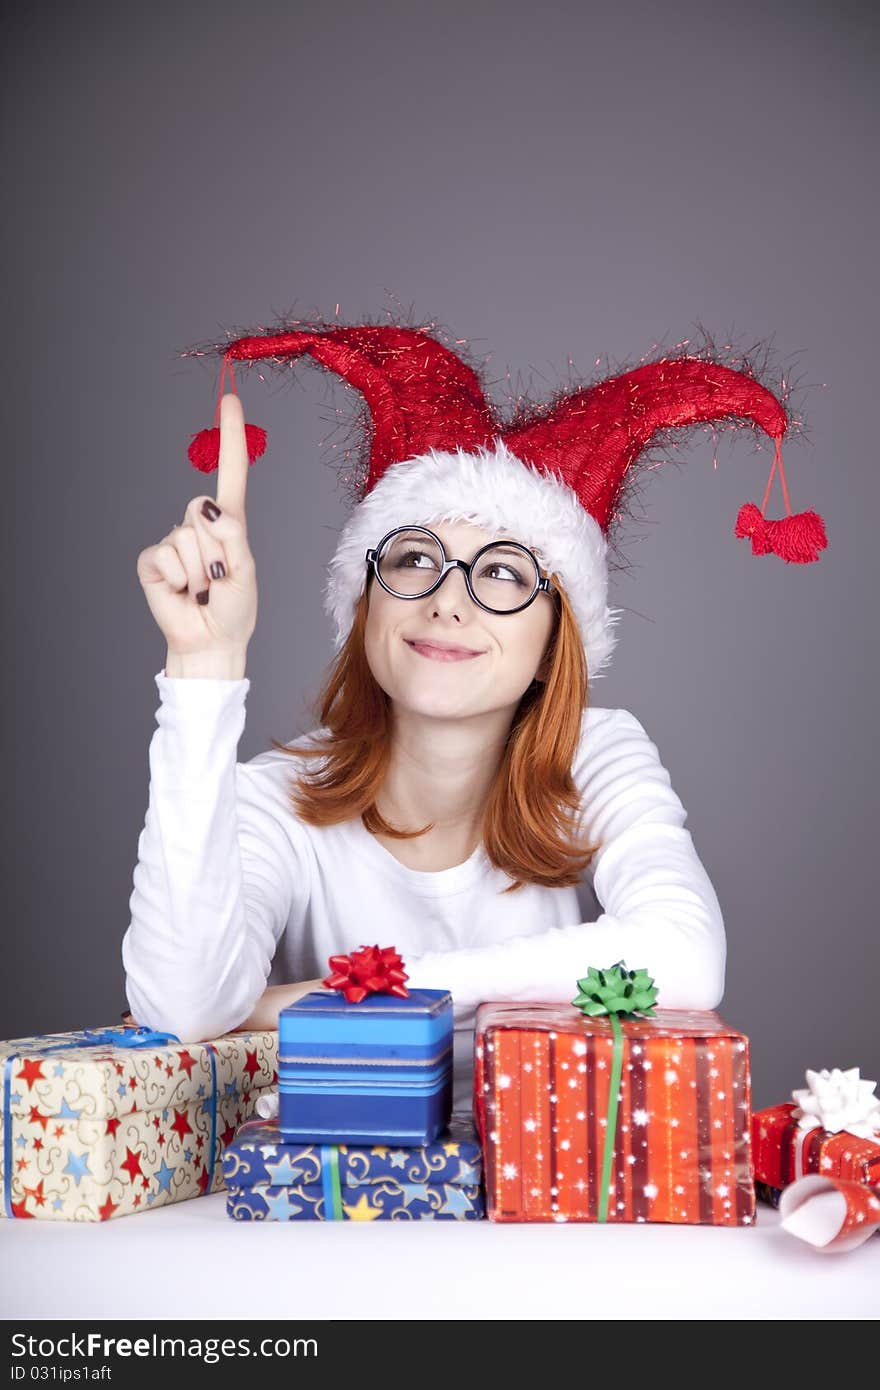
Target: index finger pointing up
232,470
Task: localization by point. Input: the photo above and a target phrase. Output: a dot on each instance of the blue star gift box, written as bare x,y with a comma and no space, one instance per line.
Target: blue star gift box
270,1178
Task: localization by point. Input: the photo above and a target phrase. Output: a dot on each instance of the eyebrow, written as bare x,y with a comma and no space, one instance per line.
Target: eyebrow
504,545
508,549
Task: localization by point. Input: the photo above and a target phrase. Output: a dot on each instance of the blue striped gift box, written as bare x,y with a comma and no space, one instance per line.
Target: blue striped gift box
378,1071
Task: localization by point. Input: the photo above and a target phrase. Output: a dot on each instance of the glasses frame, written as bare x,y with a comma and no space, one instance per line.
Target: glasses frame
542,583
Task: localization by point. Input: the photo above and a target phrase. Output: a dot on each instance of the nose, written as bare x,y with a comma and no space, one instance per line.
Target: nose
451,599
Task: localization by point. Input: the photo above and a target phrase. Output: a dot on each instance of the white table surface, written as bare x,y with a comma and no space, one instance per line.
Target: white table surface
191,1260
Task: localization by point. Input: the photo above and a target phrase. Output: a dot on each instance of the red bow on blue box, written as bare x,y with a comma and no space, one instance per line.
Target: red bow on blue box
368,971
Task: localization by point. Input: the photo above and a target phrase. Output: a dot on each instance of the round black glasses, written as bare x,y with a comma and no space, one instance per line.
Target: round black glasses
503,577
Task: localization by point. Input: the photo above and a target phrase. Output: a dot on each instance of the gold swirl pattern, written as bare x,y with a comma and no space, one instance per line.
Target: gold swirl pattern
273,1159
387,1200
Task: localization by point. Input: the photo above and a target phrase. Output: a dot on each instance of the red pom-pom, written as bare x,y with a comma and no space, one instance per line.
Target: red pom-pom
796,539
204,451
750,522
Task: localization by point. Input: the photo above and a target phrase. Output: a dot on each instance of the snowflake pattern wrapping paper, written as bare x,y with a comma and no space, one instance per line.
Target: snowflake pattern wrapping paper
97,1124
269,1178
681,1146
785,1150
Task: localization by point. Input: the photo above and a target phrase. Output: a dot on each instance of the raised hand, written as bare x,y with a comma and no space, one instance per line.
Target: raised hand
200,580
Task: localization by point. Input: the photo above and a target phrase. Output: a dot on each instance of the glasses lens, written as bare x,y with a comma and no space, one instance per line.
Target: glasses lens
503,578
410,563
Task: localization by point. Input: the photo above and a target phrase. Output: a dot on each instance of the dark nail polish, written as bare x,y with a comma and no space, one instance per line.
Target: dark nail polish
202,598
218,570
210,510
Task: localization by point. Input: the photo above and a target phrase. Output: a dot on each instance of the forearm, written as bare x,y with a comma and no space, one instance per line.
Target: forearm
687,967
663,915
264,1015
197,954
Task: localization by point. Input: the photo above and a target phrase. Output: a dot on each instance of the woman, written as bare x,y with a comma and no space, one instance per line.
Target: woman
457,785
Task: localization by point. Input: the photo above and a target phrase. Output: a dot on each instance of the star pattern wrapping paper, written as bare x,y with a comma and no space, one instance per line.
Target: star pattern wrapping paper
784,1151
269,1178
384,1201
681,1147
92,1131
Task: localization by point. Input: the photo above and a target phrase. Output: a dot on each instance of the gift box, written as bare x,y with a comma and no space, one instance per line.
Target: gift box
269,1178
811,1133
366,1072
677,1148
102,1123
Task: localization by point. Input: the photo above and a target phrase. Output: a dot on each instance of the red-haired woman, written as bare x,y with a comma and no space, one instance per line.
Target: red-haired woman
456,789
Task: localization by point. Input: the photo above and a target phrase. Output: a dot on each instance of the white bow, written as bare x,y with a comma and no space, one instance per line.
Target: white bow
836,1100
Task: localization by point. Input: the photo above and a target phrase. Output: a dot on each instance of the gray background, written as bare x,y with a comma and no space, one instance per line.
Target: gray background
570,182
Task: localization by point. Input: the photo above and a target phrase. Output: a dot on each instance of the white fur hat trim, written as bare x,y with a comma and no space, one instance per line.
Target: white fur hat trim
493,489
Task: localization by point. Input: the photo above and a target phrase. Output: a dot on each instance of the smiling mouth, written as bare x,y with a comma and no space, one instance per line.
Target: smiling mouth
433,653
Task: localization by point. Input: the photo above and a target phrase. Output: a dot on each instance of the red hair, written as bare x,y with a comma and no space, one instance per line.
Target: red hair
528,821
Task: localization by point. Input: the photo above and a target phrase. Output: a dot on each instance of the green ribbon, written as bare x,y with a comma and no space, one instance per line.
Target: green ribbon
330,1182
617,993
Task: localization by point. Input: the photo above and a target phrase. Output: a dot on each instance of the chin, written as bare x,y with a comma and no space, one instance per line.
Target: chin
437,698
434,705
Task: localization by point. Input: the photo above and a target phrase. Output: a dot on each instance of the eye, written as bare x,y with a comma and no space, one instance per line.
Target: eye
403,560
510,575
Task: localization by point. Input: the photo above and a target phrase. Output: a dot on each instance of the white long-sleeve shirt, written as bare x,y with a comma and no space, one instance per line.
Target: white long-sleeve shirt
233,891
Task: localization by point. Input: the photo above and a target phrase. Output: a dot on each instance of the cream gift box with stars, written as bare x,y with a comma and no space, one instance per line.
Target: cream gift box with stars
103,1123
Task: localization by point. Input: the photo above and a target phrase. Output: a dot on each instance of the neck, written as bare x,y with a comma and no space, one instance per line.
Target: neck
441,771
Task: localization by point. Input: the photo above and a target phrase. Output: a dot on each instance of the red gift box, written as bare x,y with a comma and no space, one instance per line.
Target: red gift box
681,1150
784,1151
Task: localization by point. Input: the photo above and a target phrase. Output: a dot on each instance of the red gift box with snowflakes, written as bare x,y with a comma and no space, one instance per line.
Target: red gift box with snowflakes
678,1149
103,1123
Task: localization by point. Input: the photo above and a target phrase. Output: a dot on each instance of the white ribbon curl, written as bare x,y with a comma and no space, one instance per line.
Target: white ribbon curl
267,1105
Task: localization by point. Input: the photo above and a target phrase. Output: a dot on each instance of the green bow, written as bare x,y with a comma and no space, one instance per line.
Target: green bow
619,993
616,991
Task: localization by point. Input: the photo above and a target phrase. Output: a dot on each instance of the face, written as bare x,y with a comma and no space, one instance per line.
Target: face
508,648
